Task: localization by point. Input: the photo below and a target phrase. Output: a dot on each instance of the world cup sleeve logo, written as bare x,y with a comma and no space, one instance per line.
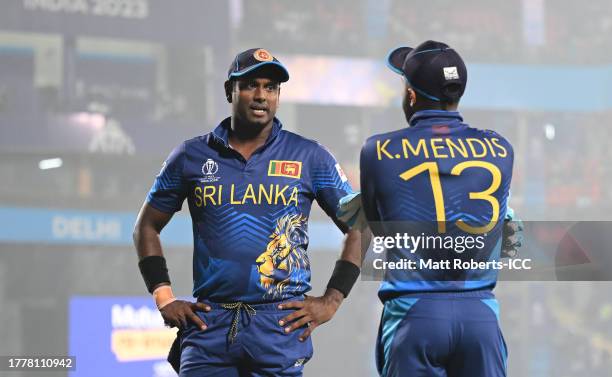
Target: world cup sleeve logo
284,255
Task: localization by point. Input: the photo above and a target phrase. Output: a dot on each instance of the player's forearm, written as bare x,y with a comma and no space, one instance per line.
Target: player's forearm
147,229
351,250
148,245
152,263
147,242
347,268
356,245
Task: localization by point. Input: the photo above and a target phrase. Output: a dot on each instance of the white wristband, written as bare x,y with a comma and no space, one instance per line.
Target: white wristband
163,296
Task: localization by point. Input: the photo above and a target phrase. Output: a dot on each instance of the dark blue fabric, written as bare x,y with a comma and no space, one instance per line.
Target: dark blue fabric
441,335
261,347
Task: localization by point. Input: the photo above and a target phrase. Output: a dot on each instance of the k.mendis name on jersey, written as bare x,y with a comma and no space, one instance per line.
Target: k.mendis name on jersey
271,194
440,148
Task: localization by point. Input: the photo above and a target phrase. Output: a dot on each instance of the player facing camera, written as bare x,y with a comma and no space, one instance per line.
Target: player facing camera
251,304
253,89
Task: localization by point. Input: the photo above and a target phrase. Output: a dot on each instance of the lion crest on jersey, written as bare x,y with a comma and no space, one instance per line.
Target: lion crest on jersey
284,255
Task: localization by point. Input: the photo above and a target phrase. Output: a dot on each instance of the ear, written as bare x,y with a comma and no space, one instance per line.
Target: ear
229,86
411,96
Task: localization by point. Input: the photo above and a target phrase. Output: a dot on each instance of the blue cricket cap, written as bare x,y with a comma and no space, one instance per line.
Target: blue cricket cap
432,69
255,59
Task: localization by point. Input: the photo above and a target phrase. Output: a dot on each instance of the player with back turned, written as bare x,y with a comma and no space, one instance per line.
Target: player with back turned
447,179
250,186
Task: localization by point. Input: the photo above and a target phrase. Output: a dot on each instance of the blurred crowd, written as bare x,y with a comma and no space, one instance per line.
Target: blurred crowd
526,31
169,93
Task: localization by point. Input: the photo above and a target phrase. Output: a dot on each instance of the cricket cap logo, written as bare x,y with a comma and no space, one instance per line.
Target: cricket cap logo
262,55
284,254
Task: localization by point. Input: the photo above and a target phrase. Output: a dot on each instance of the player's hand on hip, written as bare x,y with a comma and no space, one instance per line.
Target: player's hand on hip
313,311
179,312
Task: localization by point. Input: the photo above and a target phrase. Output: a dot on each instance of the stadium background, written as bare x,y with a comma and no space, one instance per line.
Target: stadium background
95,93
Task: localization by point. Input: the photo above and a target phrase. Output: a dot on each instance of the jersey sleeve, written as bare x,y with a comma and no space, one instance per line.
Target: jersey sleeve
329,183
169,189
366,180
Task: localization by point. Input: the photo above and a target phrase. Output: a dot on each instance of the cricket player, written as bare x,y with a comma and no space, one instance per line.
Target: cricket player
249,185
438,177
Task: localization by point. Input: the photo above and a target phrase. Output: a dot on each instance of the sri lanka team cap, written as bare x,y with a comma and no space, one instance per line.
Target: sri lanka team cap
433,69
255,59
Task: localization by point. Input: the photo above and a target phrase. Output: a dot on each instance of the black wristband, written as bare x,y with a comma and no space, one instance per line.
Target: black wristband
154,271
344,277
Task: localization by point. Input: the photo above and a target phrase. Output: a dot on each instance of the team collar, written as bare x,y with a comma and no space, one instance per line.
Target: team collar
428,117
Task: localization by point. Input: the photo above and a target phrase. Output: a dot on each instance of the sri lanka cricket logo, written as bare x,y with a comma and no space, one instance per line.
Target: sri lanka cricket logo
284,255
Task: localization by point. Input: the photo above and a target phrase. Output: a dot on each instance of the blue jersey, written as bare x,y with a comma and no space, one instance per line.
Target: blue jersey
250,218
438,177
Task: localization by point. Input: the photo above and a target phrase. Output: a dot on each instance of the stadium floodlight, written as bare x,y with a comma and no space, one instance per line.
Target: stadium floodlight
549,131
50,163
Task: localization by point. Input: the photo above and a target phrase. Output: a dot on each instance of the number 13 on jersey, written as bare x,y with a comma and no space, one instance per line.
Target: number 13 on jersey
436,186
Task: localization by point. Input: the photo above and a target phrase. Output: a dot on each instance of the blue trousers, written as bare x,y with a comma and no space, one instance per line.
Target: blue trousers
441,335
241,342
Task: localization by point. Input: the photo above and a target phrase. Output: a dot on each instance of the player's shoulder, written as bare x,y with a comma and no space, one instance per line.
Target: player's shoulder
309,145
489,133
196,140
370,143
495,136
194,148
198,143
296,139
